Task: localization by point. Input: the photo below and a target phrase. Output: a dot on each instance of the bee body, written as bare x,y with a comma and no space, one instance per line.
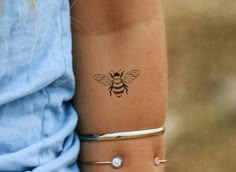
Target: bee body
118,87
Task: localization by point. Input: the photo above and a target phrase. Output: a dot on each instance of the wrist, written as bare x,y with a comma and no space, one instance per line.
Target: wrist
138,154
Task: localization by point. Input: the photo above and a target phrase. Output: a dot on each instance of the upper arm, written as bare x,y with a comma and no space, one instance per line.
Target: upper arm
104,16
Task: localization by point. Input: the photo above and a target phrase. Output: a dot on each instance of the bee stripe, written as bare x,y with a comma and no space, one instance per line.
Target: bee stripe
118,87
117,81
118,92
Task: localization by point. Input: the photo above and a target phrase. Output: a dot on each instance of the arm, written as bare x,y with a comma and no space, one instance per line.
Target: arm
126,35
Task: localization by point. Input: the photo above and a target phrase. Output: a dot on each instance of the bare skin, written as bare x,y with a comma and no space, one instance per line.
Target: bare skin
127,35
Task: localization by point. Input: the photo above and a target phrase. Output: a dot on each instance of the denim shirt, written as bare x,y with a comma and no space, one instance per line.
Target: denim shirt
37,119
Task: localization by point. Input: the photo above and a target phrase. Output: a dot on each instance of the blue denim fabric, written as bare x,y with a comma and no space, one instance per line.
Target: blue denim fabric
37,119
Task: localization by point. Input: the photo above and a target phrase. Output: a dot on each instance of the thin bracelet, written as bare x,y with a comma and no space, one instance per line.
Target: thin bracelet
123,135
117,162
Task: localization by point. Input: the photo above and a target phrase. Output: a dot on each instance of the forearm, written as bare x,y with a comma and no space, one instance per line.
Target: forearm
114,35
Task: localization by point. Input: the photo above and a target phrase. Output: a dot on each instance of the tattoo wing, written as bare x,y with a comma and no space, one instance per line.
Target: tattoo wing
105,80
130,76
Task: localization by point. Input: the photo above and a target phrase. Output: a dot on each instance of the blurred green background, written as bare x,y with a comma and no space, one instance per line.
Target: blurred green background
201,122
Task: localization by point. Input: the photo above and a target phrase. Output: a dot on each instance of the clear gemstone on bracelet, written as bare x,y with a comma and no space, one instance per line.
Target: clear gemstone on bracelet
156,161
117,162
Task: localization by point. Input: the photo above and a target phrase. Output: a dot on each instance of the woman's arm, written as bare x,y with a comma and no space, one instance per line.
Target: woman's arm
111,37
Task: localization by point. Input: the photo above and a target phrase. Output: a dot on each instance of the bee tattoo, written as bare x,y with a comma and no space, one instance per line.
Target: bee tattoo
117,81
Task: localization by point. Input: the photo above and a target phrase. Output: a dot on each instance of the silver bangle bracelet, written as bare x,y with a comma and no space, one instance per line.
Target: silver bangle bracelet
123,135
